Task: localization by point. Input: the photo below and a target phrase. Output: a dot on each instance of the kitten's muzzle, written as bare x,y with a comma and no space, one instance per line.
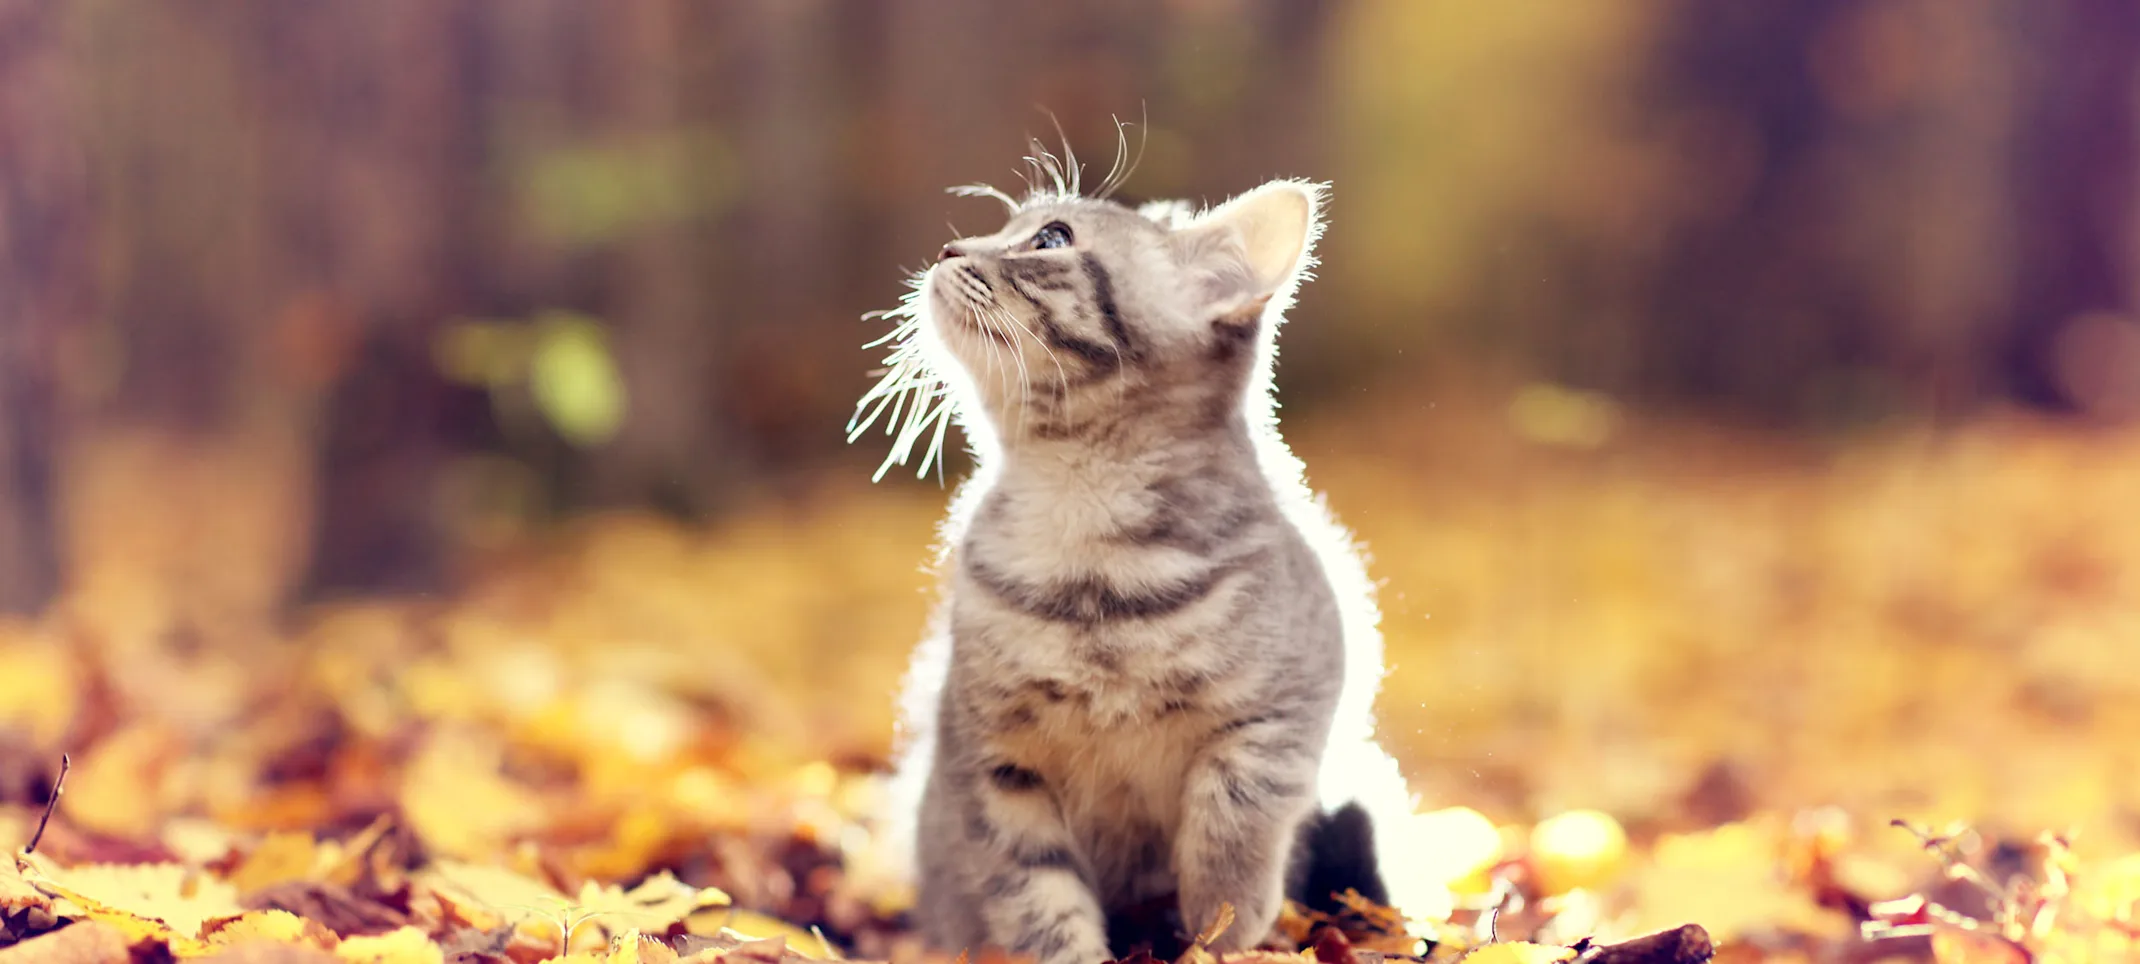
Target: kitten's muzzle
949,252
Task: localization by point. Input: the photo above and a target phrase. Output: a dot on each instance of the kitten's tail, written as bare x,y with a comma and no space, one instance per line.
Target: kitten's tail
1336,854
1370,831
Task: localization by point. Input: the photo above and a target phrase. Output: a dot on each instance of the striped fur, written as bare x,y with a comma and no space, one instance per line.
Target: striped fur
1154,642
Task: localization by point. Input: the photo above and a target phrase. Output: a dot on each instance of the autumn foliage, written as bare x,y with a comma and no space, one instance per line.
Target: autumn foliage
1674,676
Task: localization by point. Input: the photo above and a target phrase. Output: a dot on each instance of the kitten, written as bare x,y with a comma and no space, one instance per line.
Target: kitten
1150,681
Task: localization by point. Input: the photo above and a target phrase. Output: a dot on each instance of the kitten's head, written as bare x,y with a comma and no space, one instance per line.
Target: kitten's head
1082,313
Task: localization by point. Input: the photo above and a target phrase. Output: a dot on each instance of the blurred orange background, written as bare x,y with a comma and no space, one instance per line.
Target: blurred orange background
1736,399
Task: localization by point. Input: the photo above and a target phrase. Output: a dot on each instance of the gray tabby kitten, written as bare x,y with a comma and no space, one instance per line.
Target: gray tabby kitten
1151,676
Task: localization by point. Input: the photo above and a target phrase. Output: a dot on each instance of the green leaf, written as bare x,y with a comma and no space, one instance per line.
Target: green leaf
574,379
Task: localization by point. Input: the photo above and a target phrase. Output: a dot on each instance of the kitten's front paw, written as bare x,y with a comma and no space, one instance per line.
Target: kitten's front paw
1067,943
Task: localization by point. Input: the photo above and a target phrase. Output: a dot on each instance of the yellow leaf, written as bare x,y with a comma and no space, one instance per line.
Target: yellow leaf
754,926
1455,847
405,946
574,380
1730,880
117,787
636,948
457,802
39,693
347,861
142,900
271,926
659,901
2110,892
1519,953
278,858
1577,849
504,895
1219,924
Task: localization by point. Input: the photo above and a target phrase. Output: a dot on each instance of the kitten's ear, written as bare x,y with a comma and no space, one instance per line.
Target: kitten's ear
1255,246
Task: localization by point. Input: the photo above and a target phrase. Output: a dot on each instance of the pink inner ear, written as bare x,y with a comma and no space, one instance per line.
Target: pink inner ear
1273,224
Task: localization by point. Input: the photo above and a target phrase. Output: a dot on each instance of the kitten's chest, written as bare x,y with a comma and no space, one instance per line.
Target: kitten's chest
1080,683
1121,787
1080,631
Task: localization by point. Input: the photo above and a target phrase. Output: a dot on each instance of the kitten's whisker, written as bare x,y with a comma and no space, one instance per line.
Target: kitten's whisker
1144,139
1060,376
908,397
1025,396
1017,358
1025,377
1114,169
987,191
1069,160
1024,383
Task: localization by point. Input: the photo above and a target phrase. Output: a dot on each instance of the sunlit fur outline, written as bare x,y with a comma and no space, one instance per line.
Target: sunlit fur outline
1355,767
914,402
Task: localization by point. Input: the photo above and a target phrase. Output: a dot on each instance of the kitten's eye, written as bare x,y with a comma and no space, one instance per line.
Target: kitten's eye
1055,235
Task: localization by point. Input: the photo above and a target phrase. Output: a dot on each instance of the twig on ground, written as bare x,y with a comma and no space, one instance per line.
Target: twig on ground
59,785
1685,944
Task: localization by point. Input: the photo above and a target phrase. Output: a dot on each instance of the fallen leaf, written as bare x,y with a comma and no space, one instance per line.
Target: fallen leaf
16,894
751,926
653,905
334,906
1519,953
264,926
1953,945
405,946
85,943
455,799
1220,923
1580,848
266,953
141,900
40,693
278,858
118,786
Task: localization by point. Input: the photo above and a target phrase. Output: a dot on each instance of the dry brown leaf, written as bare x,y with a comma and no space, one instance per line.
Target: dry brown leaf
335,907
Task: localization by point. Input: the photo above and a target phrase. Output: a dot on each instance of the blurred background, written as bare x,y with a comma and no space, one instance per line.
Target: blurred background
1737,399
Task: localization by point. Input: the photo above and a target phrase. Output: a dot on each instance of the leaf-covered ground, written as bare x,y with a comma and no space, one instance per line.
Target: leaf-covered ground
1646,675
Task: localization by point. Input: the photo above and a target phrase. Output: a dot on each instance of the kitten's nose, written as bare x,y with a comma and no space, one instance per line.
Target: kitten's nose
950,251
